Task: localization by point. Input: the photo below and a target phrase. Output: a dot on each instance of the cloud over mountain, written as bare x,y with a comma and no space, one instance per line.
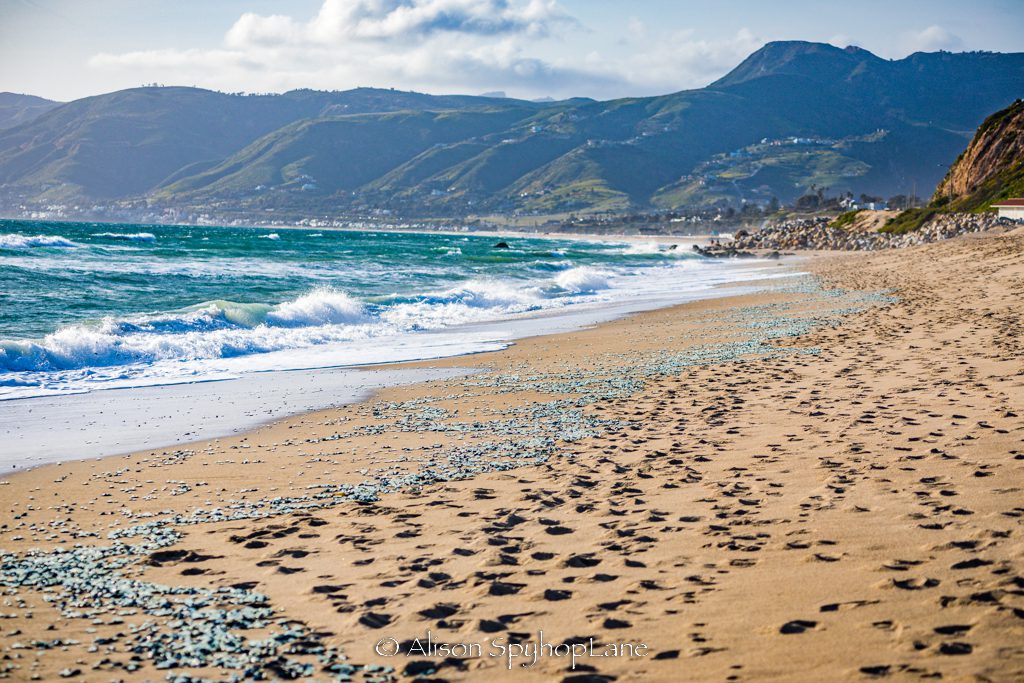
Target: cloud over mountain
838,117
523,47
932,38
440,44
341,21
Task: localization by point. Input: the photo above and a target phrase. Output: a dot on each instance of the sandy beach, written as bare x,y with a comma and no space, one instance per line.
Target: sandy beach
822,481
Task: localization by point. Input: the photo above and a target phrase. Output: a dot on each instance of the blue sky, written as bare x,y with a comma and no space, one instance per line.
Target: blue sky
65,49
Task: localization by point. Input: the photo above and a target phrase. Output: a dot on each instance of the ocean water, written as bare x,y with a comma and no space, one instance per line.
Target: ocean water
86,306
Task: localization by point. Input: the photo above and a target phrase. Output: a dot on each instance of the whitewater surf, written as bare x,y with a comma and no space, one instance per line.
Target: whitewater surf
90,307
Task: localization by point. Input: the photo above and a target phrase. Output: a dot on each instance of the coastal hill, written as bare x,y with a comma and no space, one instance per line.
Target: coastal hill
990,169
792,115
16,109
992,166
127,143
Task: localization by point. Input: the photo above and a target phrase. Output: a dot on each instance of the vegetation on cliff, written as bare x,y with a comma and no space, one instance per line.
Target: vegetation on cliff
989,170
992,166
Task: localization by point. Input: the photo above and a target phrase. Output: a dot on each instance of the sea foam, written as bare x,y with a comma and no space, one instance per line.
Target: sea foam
224,329
16,241
583,279
347,297
127,236
319,307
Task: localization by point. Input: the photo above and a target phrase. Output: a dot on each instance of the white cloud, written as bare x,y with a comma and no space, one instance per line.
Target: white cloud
678,59
636,29
841,40
439,45
931,39
340,21
174,59
524,47
254,29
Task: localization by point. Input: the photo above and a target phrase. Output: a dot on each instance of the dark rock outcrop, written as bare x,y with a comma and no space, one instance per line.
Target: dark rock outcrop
817,234
992,166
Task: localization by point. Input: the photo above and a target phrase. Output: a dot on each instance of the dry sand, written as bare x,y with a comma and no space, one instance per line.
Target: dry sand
800,485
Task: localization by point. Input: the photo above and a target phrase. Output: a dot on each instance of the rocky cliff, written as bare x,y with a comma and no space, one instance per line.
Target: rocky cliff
992,166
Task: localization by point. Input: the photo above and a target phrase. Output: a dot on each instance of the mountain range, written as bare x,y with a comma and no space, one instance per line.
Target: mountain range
791,116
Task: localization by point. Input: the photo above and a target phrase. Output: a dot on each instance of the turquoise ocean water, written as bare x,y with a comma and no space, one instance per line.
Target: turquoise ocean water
86,305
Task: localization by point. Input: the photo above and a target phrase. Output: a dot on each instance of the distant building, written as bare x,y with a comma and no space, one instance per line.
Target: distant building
1010,208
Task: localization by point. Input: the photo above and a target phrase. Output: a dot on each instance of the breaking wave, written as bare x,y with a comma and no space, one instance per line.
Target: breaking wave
214,329
290,307
127,236
224,329
583,279
16,241
642,248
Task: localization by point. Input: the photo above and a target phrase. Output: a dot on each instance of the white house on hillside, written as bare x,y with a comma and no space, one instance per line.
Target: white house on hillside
1010,208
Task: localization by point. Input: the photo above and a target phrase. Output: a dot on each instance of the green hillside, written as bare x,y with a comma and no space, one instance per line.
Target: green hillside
131,142
337,154
790,116
17,109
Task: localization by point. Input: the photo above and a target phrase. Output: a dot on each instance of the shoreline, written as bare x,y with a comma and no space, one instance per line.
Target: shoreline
164,415
778,484
95,425
79,367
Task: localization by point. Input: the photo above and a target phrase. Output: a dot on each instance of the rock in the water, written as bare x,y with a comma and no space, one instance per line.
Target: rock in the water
721,251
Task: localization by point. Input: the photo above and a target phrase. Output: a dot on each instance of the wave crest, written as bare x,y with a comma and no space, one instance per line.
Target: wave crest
16,241
127,236
214,329
484,293
582,279
319,307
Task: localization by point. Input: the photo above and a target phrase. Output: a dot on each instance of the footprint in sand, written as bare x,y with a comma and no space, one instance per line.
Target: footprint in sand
956,648
375,620
441,610
797,626
554,595
501,588
916,584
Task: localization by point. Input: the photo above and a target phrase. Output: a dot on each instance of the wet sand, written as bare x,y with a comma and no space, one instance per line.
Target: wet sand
821,482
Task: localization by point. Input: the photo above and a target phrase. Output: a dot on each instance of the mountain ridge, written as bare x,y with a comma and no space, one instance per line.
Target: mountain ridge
791,115
17,108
